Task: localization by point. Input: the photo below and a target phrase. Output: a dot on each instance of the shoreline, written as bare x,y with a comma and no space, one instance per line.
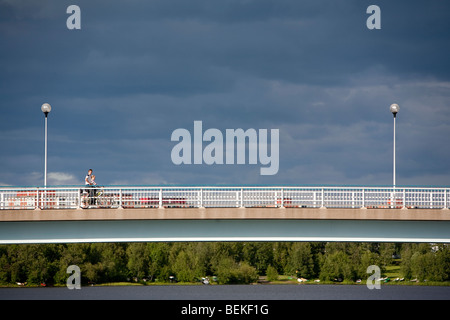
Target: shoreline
265,283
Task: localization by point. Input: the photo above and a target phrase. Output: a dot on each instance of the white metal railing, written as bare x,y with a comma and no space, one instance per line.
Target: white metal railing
210,196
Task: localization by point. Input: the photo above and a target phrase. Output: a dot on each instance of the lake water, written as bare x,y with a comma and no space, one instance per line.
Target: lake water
230,292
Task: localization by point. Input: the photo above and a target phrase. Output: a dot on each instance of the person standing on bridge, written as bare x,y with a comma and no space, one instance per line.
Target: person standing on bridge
88,178
94,190
88,182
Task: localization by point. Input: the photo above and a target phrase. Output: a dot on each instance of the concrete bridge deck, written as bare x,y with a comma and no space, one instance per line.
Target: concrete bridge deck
226,214
224,224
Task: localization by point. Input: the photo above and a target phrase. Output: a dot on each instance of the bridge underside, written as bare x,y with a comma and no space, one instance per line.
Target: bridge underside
161,225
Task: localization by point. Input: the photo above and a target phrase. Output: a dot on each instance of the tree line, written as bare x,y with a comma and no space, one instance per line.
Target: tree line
228,262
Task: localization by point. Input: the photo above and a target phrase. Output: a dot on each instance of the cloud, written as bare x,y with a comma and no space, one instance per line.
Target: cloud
61,178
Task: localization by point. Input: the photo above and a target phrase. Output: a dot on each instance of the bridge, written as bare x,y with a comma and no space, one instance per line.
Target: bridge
223,213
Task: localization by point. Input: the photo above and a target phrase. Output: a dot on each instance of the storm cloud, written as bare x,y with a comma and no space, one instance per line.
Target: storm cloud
138,70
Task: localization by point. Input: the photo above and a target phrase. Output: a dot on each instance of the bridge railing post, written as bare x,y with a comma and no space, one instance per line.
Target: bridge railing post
37,199
120,198
79,191
160,200
353,199
392,198
322,204
314,198
404,199
363,198
200,200
44,198
431,199
445,199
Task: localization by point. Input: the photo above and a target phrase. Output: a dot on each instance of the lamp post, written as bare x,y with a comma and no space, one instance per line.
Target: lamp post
45,108
394,109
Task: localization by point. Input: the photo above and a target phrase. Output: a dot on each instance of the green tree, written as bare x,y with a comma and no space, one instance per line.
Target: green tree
386,250
281,256
420,264
228,272
258,255
185,267
336,266
5,266
72,254
271,273
245,273
218,250
201,256
20,257
92,272
138,260
405,265
224,270
443,262
367,259
110,261
158,266
300,260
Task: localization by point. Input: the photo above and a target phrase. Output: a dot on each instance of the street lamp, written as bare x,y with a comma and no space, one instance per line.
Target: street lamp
45,108
394,109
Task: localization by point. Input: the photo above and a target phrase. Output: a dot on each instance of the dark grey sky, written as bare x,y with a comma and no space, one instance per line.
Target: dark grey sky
138,70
